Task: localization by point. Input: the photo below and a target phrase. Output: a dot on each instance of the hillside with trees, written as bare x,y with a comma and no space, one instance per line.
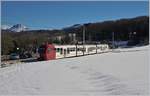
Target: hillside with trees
134,30
122,29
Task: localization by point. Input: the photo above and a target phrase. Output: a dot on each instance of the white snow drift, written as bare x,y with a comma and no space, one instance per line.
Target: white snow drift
121,72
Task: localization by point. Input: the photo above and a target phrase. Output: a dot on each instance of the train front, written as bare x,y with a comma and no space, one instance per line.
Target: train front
47,52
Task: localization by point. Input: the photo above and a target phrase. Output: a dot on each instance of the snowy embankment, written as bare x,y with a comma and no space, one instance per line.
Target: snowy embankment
113,73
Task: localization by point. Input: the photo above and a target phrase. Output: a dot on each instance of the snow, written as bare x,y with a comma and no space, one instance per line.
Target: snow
5,27
120,72
18,28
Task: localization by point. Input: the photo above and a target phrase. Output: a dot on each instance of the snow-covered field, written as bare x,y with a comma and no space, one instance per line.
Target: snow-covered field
121,72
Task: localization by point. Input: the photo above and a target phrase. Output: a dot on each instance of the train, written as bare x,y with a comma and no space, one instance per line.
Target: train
51,51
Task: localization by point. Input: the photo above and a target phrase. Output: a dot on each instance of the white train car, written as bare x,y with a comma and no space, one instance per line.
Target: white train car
79,50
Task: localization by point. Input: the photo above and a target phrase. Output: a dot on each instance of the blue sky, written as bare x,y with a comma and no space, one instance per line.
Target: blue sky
59,14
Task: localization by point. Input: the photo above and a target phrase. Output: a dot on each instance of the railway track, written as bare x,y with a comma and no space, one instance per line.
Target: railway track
7,63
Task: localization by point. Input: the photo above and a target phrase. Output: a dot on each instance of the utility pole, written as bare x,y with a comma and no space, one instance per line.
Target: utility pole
76,48
113,40
83,38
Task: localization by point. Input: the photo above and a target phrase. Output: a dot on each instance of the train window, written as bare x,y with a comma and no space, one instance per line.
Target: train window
48,50
84,49
78,49
68,51
41,50
57,49
61,51
73,49
64,51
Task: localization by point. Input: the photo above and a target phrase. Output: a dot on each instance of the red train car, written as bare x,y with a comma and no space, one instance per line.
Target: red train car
47,52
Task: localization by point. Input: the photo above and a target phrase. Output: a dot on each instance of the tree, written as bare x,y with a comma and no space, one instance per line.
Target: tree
6,44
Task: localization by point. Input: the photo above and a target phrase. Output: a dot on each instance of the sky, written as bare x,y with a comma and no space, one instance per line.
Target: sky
60,14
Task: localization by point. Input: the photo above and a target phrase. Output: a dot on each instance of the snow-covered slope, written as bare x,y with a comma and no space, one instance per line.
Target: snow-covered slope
114,73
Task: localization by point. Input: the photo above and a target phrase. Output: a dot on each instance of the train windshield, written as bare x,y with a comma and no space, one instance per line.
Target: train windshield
41,49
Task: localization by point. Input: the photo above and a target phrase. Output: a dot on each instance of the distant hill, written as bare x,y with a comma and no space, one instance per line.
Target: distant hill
122,28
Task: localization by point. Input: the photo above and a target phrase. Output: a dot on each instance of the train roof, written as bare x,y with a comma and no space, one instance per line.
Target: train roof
65,46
